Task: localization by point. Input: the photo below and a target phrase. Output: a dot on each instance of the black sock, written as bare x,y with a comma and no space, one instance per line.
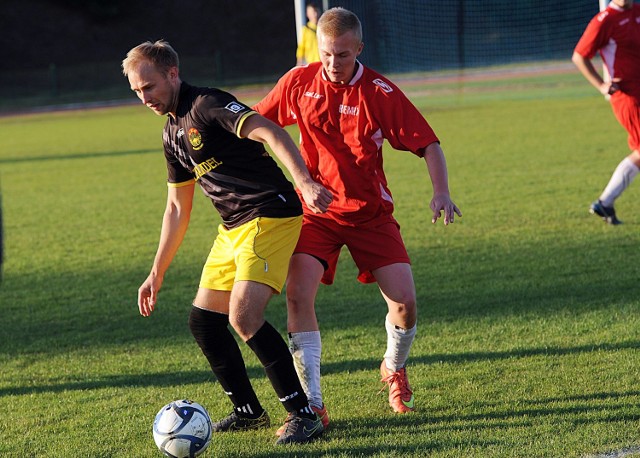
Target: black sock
273,353
211,331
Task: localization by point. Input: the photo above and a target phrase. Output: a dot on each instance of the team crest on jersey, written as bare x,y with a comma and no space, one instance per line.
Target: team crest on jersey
234,107
195,138
384,86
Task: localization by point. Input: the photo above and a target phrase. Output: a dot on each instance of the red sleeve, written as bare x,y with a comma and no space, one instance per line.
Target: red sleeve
275,105
404,127
594,37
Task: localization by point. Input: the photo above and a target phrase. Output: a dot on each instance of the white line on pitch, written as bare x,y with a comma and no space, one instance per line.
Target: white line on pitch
627,451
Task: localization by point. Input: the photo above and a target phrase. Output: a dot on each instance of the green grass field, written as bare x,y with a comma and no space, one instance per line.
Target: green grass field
529,325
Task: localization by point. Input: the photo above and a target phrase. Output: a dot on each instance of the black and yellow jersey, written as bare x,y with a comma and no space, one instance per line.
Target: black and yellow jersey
203,143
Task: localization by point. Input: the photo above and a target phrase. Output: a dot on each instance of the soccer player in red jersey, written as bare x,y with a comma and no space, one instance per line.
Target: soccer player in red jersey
345,111
212,139
615,34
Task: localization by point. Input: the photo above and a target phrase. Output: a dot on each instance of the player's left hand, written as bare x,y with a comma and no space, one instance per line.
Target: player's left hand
443,202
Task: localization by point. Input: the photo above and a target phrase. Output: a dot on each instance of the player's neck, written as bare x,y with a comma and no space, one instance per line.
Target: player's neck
175,99
355,69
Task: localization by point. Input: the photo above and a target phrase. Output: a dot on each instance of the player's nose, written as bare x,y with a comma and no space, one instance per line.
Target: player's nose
144,97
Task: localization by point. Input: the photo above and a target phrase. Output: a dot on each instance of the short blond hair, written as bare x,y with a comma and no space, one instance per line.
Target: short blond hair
160,54
337,21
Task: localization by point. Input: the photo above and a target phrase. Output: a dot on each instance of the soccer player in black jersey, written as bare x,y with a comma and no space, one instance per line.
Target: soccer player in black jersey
212,139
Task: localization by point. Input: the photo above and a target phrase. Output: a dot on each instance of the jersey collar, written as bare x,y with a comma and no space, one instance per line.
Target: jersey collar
355,78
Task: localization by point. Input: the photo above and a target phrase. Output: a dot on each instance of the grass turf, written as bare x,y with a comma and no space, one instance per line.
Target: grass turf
528,328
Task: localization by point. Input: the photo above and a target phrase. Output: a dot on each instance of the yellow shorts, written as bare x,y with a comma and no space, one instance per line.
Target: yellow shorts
259,251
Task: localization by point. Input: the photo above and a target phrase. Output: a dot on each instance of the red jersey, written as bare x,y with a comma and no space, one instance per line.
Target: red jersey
615,33
342,129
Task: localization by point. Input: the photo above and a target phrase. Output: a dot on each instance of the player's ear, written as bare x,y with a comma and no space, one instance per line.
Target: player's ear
360,48
173,73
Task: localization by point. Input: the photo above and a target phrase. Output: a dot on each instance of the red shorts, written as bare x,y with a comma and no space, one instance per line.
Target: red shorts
371,247
626,108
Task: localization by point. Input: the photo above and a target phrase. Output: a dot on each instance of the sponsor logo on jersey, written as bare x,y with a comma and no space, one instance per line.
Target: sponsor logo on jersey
347,110
180,132
235,107
195,139
205,167
382,85
624,21
313,95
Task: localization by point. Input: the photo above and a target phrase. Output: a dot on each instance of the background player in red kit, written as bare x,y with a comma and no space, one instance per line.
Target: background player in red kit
615,34
344,112
213,139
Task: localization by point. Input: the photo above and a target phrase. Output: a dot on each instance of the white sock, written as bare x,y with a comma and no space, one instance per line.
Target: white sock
398,345
620,180
306,348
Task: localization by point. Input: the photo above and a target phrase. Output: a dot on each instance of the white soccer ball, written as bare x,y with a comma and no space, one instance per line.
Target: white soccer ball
182,429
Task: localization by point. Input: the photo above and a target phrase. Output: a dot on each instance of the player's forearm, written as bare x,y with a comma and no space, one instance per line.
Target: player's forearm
585,66
294,163
437,166
288,153
260,129
174,227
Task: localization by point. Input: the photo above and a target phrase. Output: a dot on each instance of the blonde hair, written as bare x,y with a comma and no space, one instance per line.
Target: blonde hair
337,21
160,54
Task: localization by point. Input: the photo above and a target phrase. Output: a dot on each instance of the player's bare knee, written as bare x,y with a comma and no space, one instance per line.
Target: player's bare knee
407,310
404,312
405,303
243,325
294,307
298,304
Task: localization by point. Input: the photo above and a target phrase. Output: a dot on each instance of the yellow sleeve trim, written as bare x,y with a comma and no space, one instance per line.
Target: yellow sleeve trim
242,120
180,185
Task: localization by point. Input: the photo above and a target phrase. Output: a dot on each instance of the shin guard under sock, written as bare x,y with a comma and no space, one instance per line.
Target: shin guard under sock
399,342
306,348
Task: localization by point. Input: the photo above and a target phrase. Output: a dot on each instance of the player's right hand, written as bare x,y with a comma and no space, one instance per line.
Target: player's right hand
148,294
317,197
610,87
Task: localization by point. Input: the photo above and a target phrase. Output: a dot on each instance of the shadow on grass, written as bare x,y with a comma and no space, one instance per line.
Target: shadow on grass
475,428
474,357
60,157
429,426
51,313
157,379
372,450
351,365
